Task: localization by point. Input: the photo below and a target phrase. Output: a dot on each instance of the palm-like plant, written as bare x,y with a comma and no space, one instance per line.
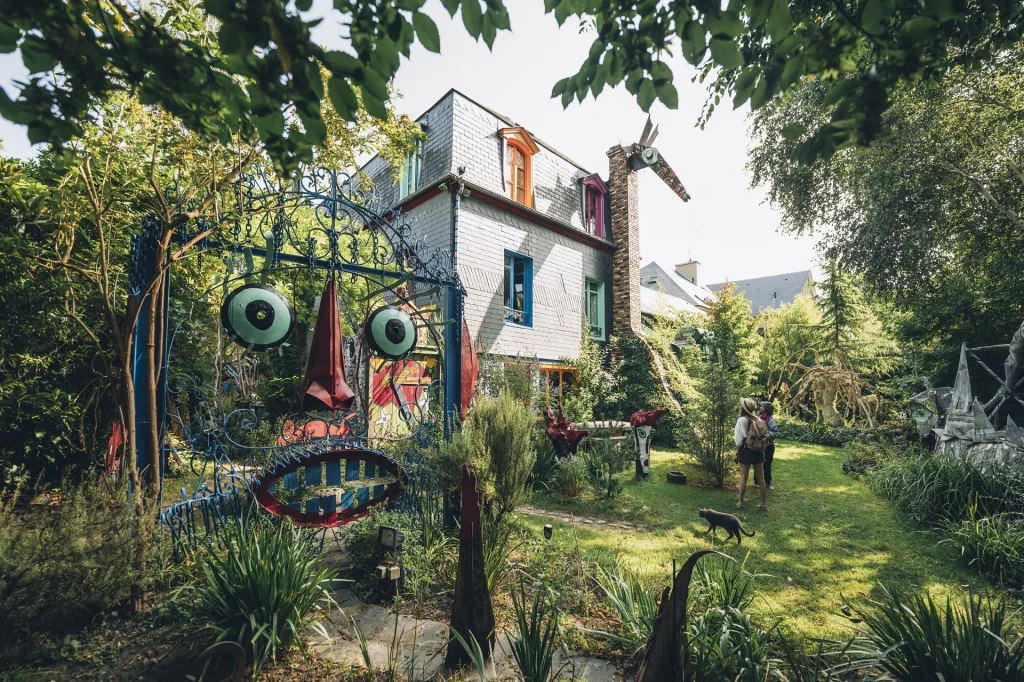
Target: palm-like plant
261,591
534,643
912,639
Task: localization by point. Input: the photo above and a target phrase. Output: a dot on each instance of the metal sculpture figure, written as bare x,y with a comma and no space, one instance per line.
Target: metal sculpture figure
643,423
562,432
472,611
315,457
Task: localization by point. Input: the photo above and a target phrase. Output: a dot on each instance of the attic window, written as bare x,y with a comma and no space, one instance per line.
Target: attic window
653,279
594,193
519,149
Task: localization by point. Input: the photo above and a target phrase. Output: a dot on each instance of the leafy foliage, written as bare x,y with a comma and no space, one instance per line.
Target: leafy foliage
262,589
535,638
930,216
223,67
61,565
912,639
500,430
724,371
595,381
993,545
635,602
755,50
790,335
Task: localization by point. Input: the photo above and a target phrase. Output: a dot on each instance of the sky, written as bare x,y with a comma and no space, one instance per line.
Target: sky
727,226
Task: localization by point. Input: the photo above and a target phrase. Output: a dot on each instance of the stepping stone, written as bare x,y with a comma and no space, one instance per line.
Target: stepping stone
375,622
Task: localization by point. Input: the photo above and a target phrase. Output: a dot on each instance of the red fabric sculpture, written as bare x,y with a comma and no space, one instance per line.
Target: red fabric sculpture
647,418
470,368
326,388
563,433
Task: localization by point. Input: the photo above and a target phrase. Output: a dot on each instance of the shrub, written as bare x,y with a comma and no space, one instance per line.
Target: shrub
932,489
500,429
723,583
864,456
262,589
635,603
992,545
572,477
725,645
818,433
710,434
606,458
361,539
534,641
912,640
62,564
545,466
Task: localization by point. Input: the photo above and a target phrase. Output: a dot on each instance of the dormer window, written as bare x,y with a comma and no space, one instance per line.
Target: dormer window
410,181
519,150
594,192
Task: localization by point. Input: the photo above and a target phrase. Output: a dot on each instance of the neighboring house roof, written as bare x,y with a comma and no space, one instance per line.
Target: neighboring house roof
772,291
655,302
657,278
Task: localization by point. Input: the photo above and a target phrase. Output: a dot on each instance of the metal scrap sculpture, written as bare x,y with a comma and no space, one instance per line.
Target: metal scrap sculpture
472,612
968,432
562,432
319,460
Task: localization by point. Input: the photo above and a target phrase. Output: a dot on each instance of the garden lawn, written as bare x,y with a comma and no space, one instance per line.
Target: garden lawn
826,536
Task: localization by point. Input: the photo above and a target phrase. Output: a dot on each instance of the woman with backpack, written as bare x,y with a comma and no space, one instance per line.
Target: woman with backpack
751,436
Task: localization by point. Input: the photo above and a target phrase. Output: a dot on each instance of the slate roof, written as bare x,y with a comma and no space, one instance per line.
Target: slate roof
654,302
771,291
653,276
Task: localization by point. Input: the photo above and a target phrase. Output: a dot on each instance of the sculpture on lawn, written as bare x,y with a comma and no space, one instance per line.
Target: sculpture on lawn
643,423
968,432
562,432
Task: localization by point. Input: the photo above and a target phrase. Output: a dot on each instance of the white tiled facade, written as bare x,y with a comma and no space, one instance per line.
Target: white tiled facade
464,134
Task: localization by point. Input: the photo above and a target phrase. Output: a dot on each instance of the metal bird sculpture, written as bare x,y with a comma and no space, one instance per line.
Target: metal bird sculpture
644,155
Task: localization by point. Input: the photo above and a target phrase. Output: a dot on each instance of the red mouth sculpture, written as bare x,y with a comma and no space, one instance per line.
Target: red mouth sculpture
328,486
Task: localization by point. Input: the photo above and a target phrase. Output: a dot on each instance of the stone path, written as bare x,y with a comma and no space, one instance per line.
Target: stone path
579,520
416,647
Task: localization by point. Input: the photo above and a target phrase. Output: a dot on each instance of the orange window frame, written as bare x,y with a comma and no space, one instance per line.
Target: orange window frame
520,192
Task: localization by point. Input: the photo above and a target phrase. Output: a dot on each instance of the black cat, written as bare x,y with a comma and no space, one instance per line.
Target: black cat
726,521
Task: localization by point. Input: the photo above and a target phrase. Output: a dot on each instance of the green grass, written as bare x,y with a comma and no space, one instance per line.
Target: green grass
825,536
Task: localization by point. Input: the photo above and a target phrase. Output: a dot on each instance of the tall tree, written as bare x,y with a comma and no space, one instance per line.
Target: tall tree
931,215
262,72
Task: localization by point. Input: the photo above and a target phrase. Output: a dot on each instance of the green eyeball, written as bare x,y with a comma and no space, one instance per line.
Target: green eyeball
390,332
257,316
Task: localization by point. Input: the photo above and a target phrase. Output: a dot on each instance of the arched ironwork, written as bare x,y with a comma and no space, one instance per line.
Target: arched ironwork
233,416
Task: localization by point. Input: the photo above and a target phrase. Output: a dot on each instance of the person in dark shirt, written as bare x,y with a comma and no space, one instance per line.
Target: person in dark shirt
767,410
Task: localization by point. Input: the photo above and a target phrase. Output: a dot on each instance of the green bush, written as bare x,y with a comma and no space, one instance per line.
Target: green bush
61,565
572,478
993,545
636,604
535,638
912,640
545,466
933,489
262,589
501,432
817,433
866,455
726,645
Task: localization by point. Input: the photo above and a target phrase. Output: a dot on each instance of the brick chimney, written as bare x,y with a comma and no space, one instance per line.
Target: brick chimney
688,270
624,198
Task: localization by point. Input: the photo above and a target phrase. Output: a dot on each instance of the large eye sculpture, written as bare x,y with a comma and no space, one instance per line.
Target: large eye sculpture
391,332
257,316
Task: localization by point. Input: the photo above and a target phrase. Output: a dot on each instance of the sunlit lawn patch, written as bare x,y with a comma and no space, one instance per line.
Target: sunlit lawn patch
825,535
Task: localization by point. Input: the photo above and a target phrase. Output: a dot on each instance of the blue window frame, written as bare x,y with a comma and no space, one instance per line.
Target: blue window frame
518,289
